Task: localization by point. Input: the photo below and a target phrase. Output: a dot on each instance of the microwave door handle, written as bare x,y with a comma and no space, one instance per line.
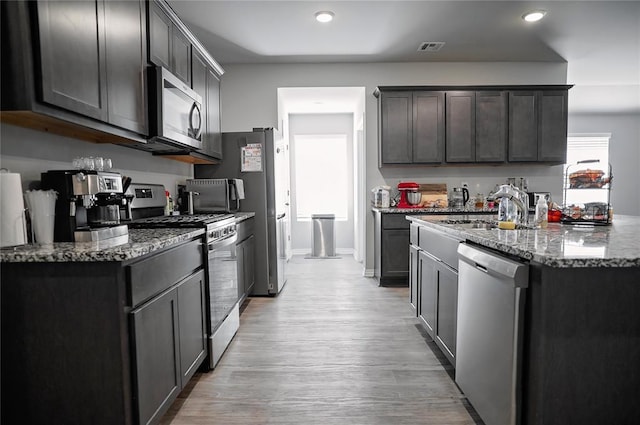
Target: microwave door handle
196,130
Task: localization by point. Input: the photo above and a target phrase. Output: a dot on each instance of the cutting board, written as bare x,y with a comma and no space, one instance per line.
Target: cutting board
434,195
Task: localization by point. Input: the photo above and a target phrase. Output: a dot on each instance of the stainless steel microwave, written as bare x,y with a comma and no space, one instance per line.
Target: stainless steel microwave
216,195
175,113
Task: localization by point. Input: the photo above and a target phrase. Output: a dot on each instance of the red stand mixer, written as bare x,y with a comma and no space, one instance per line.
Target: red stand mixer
410,195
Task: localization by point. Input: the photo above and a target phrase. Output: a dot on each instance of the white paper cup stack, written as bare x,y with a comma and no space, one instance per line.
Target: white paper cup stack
12,220
42,210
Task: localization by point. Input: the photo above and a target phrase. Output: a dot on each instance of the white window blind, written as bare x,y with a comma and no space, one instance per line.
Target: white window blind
321,175
587,147
580,148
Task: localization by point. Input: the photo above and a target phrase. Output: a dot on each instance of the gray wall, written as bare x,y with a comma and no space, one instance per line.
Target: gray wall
31,152
301,231
249,99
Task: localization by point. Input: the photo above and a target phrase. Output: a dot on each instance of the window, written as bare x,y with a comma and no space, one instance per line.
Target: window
584,147
321,175
587,147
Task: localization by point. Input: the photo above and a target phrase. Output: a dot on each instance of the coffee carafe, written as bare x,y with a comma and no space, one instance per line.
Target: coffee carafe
88,207
459,197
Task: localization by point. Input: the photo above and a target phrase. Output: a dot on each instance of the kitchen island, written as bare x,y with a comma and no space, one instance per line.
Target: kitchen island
102,332
581,329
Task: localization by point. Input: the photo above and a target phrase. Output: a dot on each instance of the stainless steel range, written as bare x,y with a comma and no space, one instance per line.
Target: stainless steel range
220,262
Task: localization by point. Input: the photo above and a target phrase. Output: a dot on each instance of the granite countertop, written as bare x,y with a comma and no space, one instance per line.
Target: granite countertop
395,210
559,245
242,216
138,243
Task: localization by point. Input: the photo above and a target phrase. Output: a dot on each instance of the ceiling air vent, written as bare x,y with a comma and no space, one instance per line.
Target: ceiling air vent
430,46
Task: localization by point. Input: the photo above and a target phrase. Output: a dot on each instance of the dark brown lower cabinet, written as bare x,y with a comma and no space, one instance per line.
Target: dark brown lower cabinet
169,345
391,249
438,287
436,282
447,310
245,253
156,356
428,292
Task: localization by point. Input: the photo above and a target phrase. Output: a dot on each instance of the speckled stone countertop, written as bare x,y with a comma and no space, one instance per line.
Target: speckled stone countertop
242,216
559,245
394,210
138,243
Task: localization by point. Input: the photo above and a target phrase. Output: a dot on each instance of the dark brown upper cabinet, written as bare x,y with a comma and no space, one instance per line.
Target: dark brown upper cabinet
92,60
396,128
169,47
411,127
428,127
552,125
76,68
460,126
213,137
476,126
206,83
471,124
538,126
126,58
491,126
73,68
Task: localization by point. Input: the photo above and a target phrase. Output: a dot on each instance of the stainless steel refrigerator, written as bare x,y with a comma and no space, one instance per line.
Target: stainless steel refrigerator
260,159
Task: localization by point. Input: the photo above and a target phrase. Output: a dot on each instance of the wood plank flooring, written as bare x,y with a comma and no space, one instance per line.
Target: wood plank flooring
332,348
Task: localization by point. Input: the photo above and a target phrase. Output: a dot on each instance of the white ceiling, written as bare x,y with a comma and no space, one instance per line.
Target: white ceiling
600,40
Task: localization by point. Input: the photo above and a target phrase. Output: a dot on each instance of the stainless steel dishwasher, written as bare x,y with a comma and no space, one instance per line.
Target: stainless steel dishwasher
491,296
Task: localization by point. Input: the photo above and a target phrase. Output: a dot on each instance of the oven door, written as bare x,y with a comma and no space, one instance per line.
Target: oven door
223,279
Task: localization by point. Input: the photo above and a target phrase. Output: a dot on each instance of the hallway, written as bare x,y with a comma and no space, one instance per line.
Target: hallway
333,348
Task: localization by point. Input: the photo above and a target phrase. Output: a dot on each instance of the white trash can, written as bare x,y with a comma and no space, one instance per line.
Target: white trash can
324,235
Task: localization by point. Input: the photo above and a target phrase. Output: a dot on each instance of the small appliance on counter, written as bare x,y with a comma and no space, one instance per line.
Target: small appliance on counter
410,196
380,197
88,206
459,197
215,195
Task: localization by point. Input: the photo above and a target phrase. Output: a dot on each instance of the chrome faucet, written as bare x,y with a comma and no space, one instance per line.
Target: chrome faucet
519,197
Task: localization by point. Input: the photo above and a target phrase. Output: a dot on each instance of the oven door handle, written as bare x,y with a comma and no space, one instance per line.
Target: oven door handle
230,240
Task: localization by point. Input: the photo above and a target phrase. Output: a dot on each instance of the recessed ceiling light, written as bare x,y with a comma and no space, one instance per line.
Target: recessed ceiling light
534,15
324,16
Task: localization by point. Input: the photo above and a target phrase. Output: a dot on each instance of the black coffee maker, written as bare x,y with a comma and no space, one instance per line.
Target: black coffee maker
88,205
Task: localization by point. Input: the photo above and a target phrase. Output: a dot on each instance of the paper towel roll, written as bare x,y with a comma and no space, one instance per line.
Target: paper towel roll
13,229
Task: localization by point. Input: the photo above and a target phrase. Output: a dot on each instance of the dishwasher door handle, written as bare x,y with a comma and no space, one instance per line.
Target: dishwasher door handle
481,268
495,264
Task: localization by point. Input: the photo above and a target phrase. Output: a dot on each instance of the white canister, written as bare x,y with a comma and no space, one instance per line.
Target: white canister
381,197
13,230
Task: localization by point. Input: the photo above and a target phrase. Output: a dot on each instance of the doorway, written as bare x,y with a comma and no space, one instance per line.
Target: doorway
316,118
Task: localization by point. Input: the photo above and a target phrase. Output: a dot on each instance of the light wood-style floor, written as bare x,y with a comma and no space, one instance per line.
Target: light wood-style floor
332,348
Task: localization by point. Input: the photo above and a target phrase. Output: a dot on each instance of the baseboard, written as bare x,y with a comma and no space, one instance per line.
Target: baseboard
307,252
369,273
